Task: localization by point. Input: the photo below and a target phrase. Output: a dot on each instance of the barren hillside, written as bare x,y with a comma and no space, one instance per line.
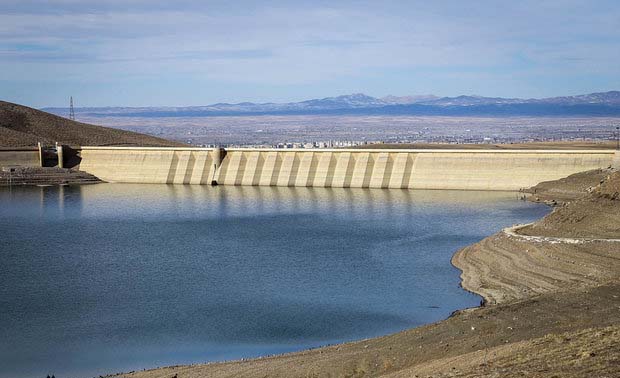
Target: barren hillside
24,126
595,215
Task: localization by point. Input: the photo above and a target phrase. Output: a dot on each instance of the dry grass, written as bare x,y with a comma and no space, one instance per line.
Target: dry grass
595,215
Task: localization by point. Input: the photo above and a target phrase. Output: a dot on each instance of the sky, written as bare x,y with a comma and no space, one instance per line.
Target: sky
198,52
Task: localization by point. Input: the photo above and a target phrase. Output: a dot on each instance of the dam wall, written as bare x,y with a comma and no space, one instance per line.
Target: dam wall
150,165
341,168
616,160
25,157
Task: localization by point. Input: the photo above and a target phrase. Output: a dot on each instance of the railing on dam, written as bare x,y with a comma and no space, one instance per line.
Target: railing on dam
341,168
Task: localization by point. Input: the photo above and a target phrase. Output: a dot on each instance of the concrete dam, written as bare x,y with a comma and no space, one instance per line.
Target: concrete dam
342,168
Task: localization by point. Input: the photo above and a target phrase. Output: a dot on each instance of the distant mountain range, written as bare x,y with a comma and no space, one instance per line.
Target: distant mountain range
593,104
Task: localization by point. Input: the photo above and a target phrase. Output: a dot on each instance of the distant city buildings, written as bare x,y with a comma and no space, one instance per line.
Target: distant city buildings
429,140
316,132
308,145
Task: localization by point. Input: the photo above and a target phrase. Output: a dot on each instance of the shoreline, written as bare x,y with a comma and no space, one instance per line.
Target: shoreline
534,291
48,176
514,232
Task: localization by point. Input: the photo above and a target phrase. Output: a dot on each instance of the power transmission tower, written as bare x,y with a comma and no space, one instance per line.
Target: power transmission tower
71,110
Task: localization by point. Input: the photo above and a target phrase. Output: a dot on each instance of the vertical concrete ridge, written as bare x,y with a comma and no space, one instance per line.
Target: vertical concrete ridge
251,172
184,167
615,163
399,171
208,174
259,168
277,166
325,170
268,168
343,160
295,169
286,168
238,174
378,176
362,169
349,171
229,168
271,169
412,175
199,167
305,166
172,169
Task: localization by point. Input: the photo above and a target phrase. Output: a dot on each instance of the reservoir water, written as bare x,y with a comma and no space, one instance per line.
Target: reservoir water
115,277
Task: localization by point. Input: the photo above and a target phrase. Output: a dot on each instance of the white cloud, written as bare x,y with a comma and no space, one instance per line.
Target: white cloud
284,43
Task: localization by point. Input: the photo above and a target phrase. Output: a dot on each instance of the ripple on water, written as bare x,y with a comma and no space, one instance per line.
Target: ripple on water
110,277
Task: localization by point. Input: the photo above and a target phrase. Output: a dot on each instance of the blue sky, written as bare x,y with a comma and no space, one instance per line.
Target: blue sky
192,52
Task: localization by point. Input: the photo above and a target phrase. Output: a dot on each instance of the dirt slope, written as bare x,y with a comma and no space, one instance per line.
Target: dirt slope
594,215
556,253
24,126
569,188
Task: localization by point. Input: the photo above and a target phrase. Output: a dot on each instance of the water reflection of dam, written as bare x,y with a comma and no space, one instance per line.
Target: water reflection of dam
202,200
340,168
109,201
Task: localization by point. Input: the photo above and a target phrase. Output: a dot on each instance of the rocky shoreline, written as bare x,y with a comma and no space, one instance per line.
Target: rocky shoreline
551,307
17,176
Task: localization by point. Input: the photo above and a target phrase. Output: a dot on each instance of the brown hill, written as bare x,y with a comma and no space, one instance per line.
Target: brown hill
569,188
594,215
24,126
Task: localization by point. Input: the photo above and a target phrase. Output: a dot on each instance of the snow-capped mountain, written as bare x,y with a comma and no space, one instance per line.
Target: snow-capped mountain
404,100
608,98
603,103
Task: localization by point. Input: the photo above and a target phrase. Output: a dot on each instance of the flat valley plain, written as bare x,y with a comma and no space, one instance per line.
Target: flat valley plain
267,130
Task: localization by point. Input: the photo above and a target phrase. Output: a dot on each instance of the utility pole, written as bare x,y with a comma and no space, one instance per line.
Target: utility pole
71,110
618,138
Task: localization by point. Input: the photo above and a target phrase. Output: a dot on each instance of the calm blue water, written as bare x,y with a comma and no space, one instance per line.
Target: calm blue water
107,278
